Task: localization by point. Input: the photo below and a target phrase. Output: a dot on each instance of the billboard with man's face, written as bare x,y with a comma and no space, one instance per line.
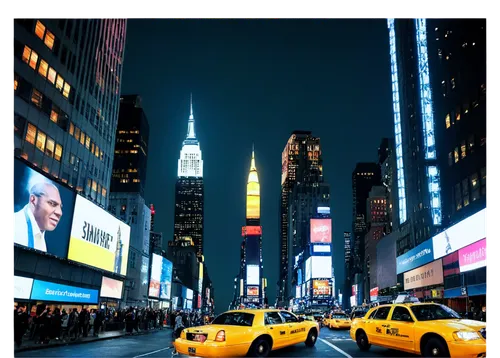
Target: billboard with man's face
43,210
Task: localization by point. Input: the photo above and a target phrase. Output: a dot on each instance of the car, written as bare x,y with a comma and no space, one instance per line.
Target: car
338,320
254,332
428,329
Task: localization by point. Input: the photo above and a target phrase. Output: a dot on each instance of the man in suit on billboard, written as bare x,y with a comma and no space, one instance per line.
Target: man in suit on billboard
41,214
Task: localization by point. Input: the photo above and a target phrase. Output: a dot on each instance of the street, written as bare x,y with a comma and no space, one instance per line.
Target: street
330,344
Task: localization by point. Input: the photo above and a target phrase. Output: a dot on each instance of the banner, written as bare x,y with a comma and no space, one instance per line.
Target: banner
416,257
321,288
49,291
321,231
252,290
43,210
427,275
251,231
98,239
111,288
22,287
473,256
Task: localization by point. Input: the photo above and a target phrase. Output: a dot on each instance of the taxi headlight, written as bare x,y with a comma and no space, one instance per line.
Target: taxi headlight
466,336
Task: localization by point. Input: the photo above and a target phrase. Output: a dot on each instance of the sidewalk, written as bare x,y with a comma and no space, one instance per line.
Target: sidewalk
30,345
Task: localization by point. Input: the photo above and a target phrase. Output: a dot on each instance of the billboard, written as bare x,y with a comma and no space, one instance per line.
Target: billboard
298,292
22,287
460,235
284,163
98,239
373,294
323,210
111,288
241,287
253,275
50,291
416,257
321,288
427,275
166,278
252,290
321,266
304,293
155,279
43,210
189,294
473,256
299,276
308,268
321,231
386,268
251,231
252,250
319,249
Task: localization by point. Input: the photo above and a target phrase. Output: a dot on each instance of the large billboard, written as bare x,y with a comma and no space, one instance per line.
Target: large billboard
98,239
321,288
22,287
155,278
43,210
416,257
308,268
251,231
321,267
473,256
253,275
427,275
460,235
111,288
165,279
55,292
321,231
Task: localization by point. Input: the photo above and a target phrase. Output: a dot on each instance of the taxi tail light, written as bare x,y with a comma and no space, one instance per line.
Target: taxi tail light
221,336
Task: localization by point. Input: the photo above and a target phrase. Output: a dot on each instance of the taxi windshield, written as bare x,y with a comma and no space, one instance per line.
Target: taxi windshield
339,315
433,312
235,319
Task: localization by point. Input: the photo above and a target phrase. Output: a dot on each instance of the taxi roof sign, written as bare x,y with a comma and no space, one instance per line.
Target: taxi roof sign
406,299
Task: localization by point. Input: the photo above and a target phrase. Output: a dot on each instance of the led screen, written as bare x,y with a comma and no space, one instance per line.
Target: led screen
251,231
321,266
473,256
427,275
252,290
111,288
297,292
253,275
189,294
321,288
155,279
321,231
321,248
308,268
55,292
166,278
22,287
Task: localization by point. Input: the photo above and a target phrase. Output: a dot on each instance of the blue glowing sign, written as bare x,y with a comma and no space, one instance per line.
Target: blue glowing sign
50,291
416,257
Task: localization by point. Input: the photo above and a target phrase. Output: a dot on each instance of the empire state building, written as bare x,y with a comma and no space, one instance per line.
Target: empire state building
189,190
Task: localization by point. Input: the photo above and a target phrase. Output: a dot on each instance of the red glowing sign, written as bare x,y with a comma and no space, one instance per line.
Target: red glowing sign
251,231
321,231
252,291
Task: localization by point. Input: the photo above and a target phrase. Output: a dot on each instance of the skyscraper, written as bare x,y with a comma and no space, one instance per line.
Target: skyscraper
67,76
189,189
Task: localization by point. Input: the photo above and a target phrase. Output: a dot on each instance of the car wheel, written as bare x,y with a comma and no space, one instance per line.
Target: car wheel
312,337
260,348
362,341
435,348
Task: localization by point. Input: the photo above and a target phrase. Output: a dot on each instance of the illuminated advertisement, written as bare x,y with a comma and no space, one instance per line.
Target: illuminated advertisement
473,256
253,275
98,239
304,293
252,290
353,301
22,287
321,288
321,231
374,294
200,277
299,276
43,211
427,275
251,231
416,257
321,248
111,288
298,293
308,287
241,287
321,266
323,210
189,294
308,268
50,291
284,164
199,301
458,236
155,279
165,278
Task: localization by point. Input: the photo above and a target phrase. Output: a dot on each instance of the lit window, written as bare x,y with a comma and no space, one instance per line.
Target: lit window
458,115
66,90
87,142
71,128
448,124
16,84
39,30
456,155
58,153
40,140
97,151
52,75
43,68
59,82
36,98
49,149
453,84
462,149
82,138
26,54
31,133
102,155
104,192
49,39
471,142
94,185
77,133
474,181
54,115
33,59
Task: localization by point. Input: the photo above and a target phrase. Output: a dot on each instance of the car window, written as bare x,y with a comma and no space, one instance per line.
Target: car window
339,316
273,318
382,313
401,314
288,317
433,312
235,319
372,314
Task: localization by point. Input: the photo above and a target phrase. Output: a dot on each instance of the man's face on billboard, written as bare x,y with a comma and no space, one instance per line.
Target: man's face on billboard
47,208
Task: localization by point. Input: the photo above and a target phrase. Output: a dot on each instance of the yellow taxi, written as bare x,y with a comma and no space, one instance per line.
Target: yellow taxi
254,332
338,320
428,329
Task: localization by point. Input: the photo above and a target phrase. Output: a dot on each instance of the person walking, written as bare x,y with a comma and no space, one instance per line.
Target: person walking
20,324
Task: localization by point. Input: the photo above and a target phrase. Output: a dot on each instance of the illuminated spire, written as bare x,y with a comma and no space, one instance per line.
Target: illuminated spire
191,134
252,163
253,191
191,115
190,163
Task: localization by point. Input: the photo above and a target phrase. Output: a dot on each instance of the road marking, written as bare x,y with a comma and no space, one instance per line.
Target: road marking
335,347
146,354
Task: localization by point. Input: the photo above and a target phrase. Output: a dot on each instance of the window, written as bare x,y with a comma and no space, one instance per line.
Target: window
52,75
31,133
453,83
466,107
30,57
234,319
59,82
54,113
401,314
40,140
58,153
16,83
458,197
450,159
19,124
471,142
87,142
39,30
447,119
43,68
66,90
94,185
474,182
82,138
382,313
36,98
457,114
456,155
49,149
49,39
462,149
97,151
272,318
26,54
104,192
288,317
465,191
77,133
71,128
433,312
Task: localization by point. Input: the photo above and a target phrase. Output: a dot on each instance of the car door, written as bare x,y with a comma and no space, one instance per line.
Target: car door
378,323
401,332
297,330
277,328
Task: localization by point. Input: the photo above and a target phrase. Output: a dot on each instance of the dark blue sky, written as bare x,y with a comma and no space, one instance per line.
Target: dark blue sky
257,81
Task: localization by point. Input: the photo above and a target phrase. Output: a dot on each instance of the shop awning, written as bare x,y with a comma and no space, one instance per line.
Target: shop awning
453,292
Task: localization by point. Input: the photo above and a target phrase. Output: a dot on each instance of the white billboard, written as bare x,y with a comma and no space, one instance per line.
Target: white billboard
253,275
321,248
297,292
308,269
321,266
22,287
111,288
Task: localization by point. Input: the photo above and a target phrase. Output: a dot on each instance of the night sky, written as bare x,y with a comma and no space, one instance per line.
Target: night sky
257,81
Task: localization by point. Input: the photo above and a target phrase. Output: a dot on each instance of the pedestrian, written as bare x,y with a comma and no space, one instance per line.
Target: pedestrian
73,325
64,324
97,323
20,324
55,324
129,321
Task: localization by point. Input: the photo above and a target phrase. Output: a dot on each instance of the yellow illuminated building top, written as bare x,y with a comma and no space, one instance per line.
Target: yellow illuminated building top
253,191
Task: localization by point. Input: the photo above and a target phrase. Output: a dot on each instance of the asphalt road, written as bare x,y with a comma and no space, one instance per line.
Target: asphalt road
331,343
